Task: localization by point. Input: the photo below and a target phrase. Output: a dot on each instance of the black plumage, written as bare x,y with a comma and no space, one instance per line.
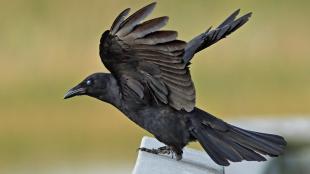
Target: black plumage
150,83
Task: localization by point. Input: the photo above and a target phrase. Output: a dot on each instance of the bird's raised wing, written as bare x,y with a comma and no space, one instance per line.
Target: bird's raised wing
148,61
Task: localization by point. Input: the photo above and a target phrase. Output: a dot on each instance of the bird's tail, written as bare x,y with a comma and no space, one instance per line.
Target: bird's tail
210,37
224,142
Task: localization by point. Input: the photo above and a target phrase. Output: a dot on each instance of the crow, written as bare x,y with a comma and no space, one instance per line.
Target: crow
150,82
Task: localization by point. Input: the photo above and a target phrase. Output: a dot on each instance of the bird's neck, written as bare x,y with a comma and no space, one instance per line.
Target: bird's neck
112,95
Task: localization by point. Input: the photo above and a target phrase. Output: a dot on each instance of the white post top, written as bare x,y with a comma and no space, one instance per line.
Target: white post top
193,162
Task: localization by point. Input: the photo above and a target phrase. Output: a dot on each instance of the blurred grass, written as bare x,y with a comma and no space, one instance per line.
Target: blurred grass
48,46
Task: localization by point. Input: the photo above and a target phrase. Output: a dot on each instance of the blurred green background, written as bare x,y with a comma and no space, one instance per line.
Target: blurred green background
48,46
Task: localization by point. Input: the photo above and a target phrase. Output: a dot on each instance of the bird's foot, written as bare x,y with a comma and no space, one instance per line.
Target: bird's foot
153,151
165,150
178,157
161,150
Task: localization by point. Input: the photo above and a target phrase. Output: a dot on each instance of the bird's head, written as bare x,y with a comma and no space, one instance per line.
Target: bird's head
98,85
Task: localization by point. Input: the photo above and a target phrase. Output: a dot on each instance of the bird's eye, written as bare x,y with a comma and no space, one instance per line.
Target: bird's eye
88,82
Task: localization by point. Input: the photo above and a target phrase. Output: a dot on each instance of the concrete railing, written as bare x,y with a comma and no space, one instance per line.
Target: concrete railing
193,162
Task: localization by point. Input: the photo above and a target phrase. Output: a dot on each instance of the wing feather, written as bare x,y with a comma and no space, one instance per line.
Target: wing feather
175,45
149,59
119,19
147,28
128,25
157,37
173,76
177,72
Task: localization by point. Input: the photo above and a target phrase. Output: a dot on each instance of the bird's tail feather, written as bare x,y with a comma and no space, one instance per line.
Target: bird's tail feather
224,142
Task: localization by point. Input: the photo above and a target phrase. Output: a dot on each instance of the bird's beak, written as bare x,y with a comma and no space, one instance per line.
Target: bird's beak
78,90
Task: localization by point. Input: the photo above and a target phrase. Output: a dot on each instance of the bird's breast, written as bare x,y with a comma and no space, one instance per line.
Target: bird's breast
166,124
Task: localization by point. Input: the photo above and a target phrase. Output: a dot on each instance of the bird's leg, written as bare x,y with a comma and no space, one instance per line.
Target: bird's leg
177,152
165,150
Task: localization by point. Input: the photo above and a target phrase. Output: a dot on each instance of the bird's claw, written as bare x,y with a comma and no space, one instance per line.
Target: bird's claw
165,150
153,151
162,150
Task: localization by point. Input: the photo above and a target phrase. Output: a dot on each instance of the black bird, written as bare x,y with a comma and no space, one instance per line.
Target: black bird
150,83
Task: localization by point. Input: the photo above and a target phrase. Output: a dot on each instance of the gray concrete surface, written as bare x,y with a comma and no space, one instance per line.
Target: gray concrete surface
193,162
